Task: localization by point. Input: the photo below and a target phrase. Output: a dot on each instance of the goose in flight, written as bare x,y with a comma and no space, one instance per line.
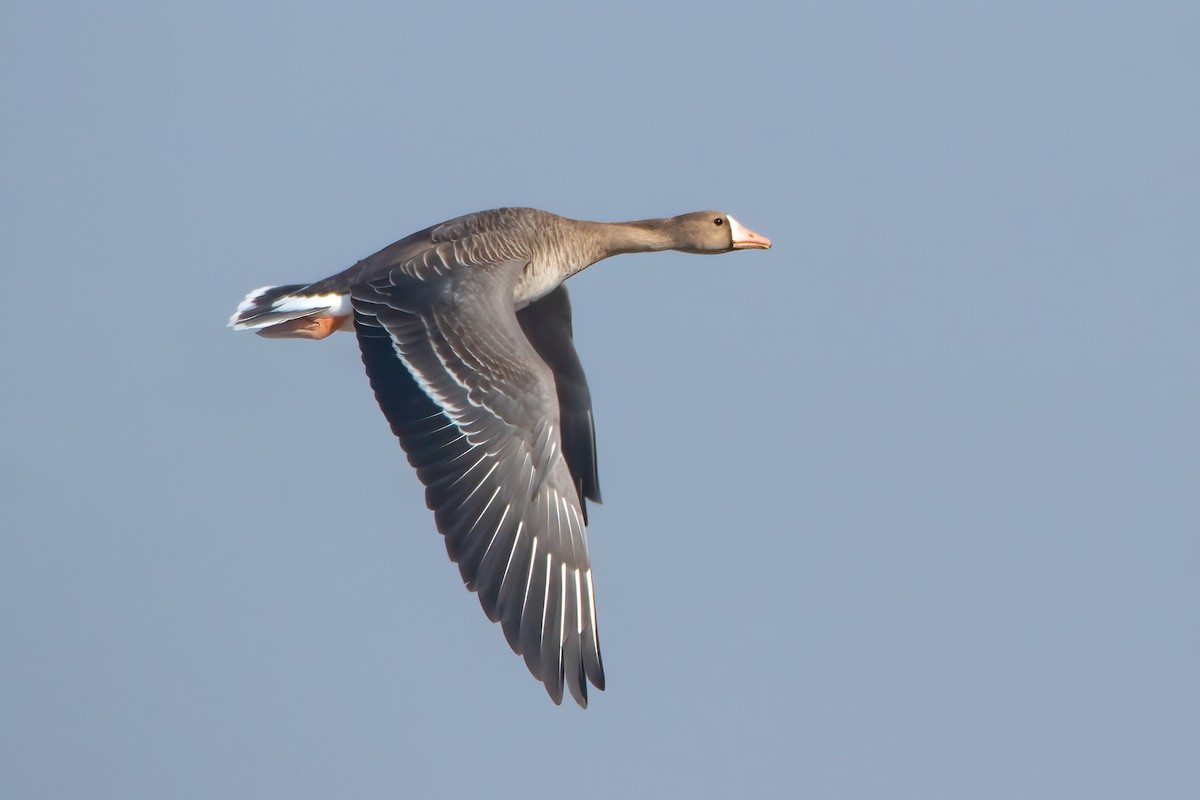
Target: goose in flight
465,333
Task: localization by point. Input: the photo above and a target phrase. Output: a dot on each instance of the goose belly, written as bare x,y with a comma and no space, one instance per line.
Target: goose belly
536,281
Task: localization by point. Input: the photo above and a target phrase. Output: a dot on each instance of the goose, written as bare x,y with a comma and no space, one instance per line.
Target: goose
465,332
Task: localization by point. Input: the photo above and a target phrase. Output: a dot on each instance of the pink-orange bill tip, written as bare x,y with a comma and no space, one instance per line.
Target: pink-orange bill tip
746,239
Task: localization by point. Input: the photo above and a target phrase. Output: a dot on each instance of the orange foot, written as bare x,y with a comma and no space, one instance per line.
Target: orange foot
307,328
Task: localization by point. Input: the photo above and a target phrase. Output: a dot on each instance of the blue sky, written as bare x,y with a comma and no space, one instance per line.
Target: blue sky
906,507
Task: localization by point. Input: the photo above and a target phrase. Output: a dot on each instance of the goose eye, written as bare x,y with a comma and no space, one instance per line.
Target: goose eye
718,221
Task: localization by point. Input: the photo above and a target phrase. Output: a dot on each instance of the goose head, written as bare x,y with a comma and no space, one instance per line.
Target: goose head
712,232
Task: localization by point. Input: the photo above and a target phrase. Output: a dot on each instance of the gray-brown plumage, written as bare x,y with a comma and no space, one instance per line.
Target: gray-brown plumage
465,333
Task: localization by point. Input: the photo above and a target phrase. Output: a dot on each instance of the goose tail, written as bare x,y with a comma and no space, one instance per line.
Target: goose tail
289,312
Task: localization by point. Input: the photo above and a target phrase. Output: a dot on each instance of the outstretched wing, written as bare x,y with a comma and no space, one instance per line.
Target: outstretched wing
547,325
477,411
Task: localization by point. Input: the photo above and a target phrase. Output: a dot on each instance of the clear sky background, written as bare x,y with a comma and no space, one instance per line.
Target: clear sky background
907,507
